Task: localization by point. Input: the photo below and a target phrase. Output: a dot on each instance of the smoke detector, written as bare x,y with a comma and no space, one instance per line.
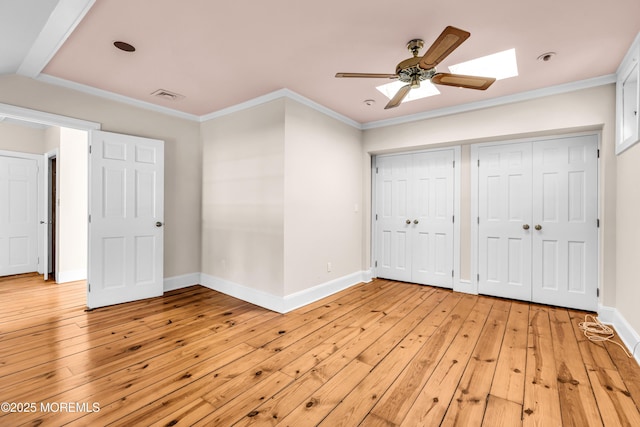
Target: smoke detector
167,95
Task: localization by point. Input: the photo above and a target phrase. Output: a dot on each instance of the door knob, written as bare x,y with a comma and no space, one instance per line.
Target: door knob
415,221
525,226
538,227
159,224
43,222
408,221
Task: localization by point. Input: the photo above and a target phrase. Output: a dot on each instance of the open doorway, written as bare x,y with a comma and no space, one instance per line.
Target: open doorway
50,241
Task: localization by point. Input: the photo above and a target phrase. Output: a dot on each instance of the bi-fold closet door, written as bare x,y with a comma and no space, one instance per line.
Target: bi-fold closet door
537,221
414,217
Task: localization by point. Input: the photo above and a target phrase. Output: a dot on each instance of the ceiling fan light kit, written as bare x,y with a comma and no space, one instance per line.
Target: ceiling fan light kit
416,69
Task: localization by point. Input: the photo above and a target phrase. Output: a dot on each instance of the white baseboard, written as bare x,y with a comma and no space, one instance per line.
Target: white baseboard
283,304
628,335
465,286
182,281
71,276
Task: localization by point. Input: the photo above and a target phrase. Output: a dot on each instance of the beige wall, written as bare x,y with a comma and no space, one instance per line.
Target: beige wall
183,178
243,197
588,109
628,241
323,198
23,139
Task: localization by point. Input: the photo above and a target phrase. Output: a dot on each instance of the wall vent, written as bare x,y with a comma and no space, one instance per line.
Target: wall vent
169,96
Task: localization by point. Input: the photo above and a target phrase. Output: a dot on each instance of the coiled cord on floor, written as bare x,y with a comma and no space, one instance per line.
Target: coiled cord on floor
597,331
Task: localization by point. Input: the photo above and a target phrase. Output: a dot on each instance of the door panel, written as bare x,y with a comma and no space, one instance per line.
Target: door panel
418,188
393,209
565,248
434,197
551,188
504,208
125,231
18,215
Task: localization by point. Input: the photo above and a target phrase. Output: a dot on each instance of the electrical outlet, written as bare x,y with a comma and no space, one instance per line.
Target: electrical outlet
328,267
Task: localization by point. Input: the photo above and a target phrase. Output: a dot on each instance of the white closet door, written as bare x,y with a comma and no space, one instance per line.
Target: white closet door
393,211
504,206
565,234
432,222
18,216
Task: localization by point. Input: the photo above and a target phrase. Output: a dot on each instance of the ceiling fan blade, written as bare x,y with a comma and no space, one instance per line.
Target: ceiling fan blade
398,97
460,80
446,43
368,75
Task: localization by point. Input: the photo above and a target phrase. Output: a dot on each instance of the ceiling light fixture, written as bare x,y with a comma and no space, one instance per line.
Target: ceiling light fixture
546,57
369,101
124,46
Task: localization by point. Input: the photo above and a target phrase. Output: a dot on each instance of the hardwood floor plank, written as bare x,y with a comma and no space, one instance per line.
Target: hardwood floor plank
502,412
541,399
577,402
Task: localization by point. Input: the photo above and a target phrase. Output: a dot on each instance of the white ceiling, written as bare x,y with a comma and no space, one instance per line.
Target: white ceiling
220,54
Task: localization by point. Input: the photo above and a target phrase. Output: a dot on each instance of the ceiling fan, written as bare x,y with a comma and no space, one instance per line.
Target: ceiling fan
414,70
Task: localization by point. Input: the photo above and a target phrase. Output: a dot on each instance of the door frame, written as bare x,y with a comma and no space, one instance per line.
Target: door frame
48,119
475,170
458,285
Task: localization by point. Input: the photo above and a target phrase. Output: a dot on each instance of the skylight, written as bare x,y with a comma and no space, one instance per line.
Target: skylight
501,65
426,89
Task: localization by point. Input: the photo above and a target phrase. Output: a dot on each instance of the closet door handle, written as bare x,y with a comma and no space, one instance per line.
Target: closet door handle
408,221
525,226
538,227
415,221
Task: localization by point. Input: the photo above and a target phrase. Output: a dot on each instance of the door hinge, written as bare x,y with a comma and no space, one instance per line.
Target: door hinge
453,218
597,292
89,286
89,149
89,217
38,260
598,153
478,220
376,217
451,273
376,264
598,222
376,169
454,163
478,277
478,162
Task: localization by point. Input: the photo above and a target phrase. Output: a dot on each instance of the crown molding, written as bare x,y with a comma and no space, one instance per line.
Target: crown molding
289,94
278,94
44,118
46,78
509,99
63,20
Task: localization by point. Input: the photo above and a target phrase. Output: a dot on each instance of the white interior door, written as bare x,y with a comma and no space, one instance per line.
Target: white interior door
126,218
565,235
432,224
18,215
504,207
393,211
414,210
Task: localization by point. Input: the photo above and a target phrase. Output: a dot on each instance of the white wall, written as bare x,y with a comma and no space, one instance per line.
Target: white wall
586,109
183,173
243,198
72,163
323,198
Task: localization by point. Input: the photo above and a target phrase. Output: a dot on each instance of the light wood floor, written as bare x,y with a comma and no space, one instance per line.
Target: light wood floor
378,354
